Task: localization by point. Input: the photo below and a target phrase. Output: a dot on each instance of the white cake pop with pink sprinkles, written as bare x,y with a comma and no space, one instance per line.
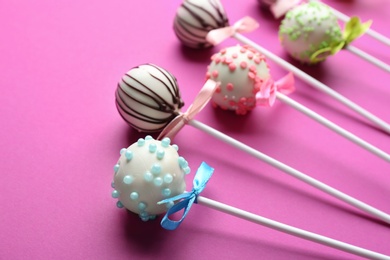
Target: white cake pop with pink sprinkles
147,172
240,71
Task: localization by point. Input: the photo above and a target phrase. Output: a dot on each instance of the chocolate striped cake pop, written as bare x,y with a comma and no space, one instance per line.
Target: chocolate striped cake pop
308,28
148,98
195,18
240,71
147,172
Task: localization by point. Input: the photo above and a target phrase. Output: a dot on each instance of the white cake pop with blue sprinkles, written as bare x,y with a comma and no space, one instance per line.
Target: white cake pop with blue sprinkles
147,172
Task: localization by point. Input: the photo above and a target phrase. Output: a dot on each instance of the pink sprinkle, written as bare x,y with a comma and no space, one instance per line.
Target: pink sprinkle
250,55
257,60
214,104
232,103
252,68
229,86
243,64
213,57
258,79
218,89
256,88
250,99
241,112
242,50
251,75
217,60
225,97
234,55
215,73
223,59
243,100
223,51
228,60
208,75
232,66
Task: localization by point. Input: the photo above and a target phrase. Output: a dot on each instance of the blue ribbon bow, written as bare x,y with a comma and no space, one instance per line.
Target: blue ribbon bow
201,178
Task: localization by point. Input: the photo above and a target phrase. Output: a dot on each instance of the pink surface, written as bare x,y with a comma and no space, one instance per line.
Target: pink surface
61,135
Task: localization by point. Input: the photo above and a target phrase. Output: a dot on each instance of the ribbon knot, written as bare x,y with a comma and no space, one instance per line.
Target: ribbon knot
182,119
267,94
244,25
354,28
201,178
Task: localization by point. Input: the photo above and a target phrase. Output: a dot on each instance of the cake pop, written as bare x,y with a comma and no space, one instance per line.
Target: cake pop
310,33
202,98
300,74
144,108
147,172
136,186
308,28
241,73
194,19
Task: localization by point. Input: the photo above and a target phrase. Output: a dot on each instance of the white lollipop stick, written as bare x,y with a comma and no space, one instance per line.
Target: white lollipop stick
369,32
289,229
315,83
364,55
292,172
332,126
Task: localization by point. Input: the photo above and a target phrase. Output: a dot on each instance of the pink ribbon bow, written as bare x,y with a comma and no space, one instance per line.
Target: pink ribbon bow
246,24
199,103
281,7
267,94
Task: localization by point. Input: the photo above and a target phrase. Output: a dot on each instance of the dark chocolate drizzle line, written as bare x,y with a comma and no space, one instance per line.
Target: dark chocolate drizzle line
224,19
160,104
221,21
125,110
175,95
128,109
198,39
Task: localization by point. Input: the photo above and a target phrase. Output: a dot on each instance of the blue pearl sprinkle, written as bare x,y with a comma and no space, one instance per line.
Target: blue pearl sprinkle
168,178
122,151
169,204
166,192
129,155
144,219
144,214
174,146
158,181
165,142
152,147
160,154
115,194
134,195
148,176
156,169
142,206
140,142
112,184
148,137
182,162
116,168
128,179
187,170
119,204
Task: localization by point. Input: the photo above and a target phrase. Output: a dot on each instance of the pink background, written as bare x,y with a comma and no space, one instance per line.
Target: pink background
61,135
